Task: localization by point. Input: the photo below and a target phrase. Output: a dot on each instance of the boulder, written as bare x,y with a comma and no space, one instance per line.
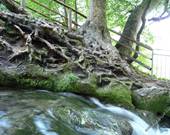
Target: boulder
155,99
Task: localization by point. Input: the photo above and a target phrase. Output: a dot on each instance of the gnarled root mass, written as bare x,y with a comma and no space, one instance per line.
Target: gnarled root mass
50,46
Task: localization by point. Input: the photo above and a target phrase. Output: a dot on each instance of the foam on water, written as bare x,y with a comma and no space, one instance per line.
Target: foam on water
140,127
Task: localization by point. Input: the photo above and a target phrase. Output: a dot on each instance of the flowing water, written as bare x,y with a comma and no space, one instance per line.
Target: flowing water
140,127
45,113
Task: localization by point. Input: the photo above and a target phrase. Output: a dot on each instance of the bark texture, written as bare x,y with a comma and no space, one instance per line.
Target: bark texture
134,27
97,37
97,19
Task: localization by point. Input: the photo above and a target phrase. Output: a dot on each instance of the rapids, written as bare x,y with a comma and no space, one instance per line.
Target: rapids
46,113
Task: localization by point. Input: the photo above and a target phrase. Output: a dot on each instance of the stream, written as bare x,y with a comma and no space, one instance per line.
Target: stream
46,113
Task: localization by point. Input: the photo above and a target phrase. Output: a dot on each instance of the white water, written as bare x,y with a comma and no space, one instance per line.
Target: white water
140,127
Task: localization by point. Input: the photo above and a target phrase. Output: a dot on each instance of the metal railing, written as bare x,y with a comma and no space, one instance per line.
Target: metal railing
161,63
143,47
71,22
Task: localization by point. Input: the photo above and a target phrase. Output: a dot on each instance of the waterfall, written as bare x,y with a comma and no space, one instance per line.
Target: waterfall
140,127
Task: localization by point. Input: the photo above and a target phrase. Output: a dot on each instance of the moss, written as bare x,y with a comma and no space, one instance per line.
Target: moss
35,83
156,104
31,77
116,93
69,82
36,78
7,80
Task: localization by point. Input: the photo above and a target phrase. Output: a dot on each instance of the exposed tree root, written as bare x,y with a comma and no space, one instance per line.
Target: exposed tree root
27,40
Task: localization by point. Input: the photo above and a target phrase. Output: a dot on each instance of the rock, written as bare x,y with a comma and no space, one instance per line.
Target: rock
154,99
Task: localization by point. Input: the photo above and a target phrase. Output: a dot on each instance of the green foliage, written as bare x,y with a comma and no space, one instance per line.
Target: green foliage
48,3
117,11
2,7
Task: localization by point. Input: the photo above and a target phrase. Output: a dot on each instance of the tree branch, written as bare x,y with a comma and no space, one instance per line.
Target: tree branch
162,16
11,6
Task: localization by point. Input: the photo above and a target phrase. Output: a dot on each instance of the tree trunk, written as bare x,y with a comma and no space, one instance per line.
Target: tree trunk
95,30
11,6
97,18
97,37
98,12
134,27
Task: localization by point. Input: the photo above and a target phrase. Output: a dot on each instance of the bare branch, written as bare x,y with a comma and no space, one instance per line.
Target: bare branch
162,16
157,19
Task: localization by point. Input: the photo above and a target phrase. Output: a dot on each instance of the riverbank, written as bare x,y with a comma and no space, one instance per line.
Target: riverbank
39,55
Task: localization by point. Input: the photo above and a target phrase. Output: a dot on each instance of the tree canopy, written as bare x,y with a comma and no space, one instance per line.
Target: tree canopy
117,10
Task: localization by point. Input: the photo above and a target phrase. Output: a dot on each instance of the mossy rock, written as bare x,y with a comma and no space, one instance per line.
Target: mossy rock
7,80
69,82
28,76
116,93
156,100
36,78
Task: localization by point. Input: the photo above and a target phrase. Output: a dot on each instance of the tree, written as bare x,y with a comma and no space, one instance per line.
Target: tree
97,38
97,24
95,29
134,27
86,52
97,18
165,14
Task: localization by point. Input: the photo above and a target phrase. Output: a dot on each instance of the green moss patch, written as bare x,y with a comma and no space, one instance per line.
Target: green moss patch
157,104
66,82
116,93
69,82
36,78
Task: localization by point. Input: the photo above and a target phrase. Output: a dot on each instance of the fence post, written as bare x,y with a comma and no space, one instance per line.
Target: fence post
70,20
22,3
152,63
